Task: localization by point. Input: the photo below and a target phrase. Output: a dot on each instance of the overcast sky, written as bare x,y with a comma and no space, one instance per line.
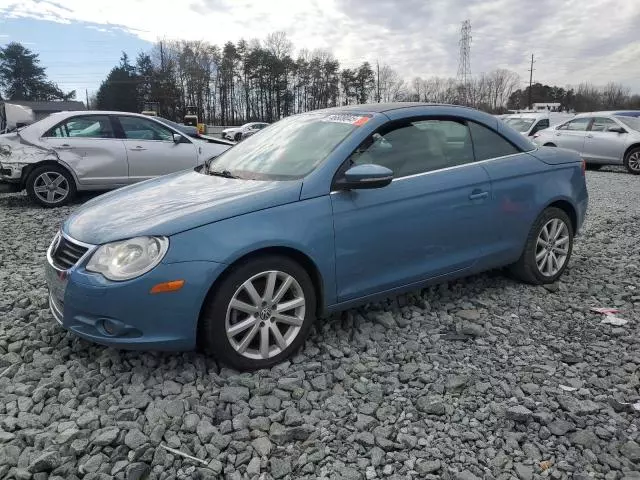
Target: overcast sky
572,40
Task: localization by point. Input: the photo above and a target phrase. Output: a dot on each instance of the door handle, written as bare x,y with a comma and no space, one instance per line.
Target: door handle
558,134
137,149
478,195
65,146
589,136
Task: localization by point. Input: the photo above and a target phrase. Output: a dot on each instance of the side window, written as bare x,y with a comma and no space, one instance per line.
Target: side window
579,124
489,144
142,129
601,124
417,147
541,125
90,126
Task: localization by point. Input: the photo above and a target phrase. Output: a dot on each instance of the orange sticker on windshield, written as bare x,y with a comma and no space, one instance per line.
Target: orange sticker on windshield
356,120
361,121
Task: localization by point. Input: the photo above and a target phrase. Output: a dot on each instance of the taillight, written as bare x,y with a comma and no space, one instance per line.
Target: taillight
584,167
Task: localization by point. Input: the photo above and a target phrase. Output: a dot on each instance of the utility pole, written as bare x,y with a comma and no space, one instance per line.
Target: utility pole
86,92
531,82
378,83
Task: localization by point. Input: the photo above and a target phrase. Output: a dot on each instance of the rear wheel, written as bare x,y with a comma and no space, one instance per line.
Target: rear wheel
237,137
548,248
549,145
50,186
260,314
632,161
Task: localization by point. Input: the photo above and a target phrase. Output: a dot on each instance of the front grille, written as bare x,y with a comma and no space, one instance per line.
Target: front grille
67,253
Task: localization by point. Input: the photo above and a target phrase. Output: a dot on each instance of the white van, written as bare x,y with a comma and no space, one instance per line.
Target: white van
530,123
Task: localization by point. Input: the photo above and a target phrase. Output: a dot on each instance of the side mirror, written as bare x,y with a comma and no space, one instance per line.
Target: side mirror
616,130
365,177
177,138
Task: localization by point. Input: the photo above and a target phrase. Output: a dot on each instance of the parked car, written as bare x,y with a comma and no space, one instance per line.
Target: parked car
600,138
320,212
193,132
69,152
239,133
528,124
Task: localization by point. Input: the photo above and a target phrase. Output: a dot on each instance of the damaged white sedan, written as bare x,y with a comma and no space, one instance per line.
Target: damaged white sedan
68,152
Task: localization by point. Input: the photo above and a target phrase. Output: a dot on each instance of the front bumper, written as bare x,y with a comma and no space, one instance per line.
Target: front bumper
125,314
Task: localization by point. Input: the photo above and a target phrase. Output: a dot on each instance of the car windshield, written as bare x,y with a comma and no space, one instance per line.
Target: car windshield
520,124
632,122
288,149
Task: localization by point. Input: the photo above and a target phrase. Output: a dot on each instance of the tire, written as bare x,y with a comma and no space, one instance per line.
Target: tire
38,189
219,315
594,166
632,161
237,137
527,268
549,145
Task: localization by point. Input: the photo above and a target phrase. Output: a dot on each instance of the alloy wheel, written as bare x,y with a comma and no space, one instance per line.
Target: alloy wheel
51,187
265,315
552,247
634,161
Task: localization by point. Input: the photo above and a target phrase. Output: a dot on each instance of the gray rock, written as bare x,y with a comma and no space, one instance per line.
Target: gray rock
45,462
457,383
472,315
431,405
385,319
586,438
631,450
134,439
466,475
280,467
519,413
106,436
524,472
254,467
234,394
263,446
560,427
426,467
137,471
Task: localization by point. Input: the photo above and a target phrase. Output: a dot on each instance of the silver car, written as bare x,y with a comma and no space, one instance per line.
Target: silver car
94,150
601,138
240,133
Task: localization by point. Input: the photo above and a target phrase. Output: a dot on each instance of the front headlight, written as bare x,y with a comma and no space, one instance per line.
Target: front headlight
119,261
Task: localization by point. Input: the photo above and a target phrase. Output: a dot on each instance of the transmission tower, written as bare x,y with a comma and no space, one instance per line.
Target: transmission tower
464,62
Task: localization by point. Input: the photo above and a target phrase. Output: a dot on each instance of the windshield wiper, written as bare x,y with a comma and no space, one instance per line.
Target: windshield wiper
223,173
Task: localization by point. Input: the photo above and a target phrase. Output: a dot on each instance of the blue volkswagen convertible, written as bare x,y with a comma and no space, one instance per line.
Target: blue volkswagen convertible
316,213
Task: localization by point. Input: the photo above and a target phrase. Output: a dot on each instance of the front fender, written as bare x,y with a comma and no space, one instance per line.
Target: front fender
305,226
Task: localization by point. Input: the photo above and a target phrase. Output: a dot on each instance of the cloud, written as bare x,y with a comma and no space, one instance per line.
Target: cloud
573,40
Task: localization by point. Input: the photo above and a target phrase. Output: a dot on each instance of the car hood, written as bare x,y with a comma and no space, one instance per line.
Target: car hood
174,203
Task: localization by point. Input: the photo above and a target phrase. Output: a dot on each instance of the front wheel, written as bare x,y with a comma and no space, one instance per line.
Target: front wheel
237,137
50,186
632,161
547,250
594,166
260,314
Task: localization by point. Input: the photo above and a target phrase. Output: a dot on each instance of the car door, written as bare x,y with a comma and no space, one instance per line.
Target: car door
151,149
514,180
87,144
572,134
602,145
430,221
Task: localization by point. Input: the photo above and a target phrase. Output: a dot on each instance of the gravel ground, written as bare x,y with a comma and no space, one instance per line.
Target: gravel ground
481,378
